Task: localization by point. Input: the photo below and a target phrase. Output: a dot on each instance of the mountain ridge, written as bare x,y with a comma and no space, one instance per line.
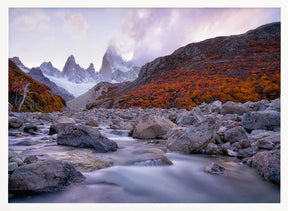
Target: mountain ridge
207,70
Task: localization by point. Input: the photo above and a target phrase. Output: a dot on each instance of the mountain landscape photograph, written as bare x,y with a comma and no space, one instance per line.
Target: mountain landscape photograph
144,105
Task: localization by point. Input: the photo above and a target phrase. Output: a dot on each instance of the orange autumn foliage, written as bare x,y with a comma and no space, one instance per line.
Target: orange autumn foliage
39,96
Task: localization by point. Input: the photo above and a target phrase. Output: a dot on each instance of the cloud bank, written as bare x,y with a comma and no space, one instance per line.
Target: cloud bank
150,33
74,23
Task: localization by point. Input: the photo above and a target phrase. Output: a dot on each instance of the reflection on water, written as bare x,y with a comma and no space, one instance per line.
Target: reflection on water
183,182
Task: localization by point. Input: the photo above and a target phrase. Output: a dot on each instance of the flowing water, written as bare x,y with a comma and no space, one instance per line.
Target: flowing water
183,182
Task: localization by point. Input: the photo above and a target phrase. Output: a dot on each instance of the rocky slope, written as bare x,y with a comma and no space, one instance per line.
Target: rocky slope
238,68
27,94
37,75
20,65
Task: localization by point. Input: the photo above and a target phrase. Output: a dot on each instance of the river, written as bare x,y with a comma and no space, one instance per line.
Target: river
183,182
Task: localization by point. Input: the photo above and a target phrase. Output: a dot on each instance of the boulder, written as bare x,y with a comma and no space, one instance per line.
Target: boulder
235,134
234,108
215,107
267,120
258,106
31,159
213,149
92,122
247,152
275,105
65,119
86,160
45,176
85,137
14,122
29,128
12,166
190,117
18,160
193,138
225,147
268,165
215,168
264,144
245,143
151,126
269,136
152,160
55,128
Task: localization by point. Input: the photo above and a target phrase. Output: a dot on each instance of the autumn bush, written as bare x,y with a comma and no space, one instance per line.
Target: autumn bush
39,96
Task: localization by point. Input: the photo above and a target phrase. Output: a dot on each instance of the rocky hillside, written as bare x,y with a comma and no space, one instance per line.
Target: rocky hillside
27,94
239,68
37,75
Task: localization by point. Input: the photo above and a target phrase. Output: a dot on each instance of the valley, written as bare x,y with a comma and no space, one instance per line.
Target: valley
201,125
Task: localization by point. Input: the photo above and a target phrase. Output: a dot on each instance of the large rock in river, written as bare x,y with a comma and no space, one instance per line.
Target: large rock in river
267,120
85,137
45,176
268,165
151,126
193,138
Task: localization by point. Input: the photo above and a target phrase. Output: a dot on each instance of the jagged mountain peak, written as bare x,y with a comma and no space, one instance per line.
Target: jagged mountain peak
71,58
91,66
114,68
19,63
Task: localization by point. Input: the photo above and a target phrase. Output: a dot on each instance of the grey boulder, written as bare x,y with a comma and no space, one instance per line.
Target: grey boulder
45,176
235,134
234,108
14,122
193,138
151,126
190,117
268,165
215,168
267,120
85,137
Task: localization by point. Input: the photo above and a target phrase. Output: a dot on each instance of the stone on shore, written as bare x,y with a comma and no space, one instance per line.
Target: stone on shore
234,108
235,134
267,120
268,165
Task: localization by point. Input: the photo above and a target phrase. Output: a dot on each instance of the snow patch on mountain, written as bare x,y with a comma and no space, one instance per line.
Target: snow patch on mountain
76,89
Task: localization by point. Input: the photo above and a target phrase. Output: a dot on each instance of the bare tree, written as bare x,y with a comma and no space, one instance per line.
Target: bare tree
25,91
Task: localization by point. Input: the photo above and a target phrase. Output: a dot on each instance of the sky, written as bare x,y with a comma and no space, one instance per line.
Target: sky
140,35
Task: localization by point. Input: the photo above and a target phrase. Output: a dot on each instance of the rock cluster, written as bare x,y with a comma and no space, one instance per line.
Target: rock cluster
249,131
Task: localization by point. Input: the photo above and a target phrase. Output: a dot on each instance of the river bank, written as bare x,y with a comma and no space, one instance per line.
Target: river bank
154,167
